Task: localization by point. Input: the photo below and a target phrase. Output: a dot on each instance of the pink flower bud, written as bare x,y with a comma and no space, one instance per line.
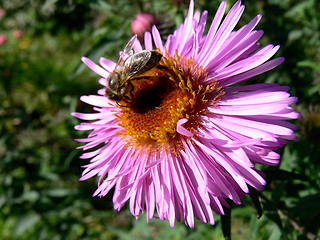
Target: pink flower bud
143,23
17,34
2,12
3,39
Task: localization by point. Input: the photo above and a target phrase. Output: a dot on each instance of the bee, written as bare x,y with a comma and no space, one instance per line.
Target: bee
128,69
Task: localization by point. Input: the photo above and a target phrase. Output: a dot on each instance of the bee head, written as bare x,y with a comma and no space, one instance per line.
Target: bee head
114,80
112,96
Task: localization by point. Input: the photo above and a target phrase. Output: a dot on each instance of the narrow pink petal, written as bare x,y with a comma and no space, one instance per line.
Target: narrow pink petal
187,27
234,53
87,116
107,64
94,67
137,46
233,172
181,129
254,72
246,64
212,31
148,41
200,175
225,29
99,101
253,109
256,97
157,38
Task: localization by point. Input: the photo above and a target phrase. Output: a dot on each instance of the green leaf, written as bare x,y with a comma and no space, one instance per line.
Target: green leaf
275,218
253,230
25,222
59,192
275,234
309,64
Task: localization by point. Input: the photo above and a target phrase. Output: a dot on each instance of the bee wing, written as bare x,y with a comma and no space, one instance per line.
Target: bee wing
136,63
127,51
129,46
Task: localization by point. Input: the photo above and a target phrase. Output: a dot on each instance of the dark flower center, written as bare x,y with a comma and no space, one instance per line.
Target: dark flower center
176,89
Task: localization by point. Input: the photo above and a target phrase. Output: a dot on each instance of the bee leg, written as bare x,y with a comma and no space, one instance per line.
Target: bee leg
161,67
131,90
129,98
122,106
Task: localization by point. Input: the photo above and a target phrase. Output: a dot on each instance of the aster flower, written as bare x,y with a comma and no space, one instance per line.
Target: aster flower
186,140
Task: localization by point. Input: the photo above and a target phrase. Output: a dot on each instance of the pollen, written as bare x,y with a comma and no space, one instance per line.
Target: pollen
176,88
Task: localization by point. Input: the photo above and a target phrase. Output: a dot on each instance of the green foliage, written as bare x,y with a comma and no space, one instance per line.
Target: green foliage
42,80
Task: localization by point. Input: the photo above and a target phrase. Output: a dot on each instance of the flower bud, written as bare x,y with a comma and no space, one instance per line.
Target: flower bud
2,12
3,39
143,23
17,34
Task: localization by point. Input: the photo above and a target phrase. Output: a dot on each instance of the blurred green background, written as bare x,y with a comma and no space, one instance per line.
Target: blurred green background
42,80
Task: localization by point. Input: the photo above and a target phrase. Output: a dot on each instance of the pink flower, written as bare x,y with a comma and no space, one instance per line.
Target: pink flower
2,12
185,139
3,39
143,23
17,34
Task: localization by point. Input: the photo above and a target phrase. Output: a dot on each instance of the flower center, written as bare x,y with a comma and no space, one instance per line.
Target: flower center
177,88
